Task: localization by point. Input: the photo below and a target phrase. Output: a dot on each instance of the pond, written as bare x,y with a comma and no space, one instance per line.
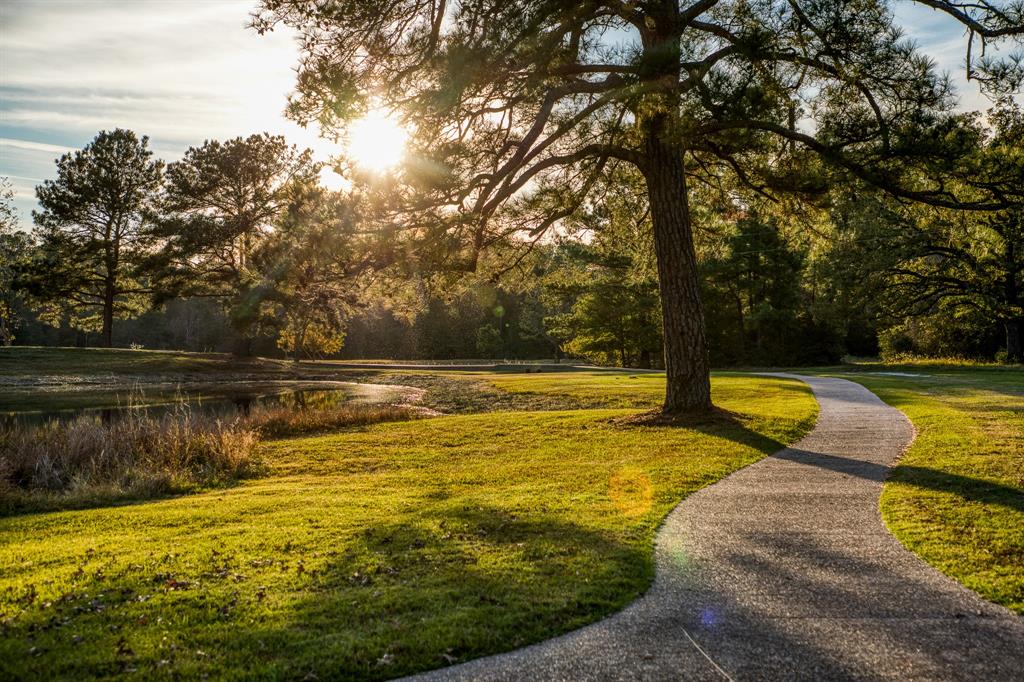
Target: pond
108,403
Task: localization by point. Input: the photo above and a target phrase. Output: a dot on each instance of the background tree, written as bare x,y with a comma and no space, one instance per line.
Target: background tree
514,102
966,267
14,249
92,231
759,305
221,203
952,262
607,285
612,321
316,262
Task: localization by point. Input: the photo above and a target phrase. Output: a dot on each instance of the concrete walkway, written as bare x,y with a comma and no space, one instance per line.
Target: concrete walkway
784,570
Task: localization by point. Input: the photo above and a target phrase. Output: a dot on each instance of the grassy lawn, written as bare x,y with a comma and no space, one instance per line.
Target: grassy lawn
385,550
36,361
956,497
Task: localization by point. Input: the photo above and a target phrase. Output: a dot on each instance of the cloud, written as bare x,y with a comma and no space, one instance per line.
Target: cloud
183,71
33,146
179,71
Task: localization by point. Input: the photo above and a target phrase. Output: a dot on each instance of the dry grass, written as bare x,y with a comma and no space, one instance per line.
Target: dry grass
85,462
82,462
281,421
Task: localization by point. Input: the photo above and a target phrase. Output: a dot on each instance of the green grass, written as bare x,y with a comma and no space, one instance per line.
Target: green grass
956,498
37,361
380,551
620,389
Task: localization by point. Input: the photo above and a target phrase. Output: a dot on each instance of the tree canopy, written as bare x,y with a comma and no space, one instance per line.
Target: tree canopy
221,203
92,229
518,108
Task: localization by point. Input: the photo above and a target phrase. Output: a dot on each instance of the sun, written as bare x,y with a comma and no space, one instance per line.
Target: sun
376,142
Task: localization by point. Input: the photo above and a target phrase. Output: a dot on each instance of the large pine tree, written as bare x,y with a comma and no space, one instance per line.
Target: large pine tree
92,230
513,101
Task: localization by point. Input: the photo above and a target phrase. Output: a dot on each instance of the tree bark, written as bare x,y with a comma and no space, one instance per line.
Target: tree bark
1014,347
243,346
687,371
109,294
1015,325
300,341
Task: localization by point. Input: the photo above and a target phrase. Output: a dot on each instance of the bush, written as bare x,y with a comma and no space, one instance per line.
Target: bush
945,334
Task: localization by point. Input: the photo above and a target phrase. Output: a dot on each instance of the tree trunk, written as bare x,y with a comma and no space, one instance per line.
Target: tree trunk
243,346
300,341
1015,325
1014,348
688,383
109,291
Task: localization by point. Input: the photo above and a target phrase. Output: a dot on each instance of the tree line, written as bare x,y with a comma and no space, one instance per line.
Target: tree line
238,248
243,224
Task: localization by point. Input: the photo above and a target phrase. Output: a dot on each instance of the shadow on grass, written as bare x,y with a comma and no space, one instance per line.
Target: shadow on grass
455,583
968,488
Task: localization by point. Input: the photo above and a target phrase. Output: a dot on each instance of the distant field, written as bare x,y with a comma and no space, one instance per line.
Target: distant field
86,361
31,360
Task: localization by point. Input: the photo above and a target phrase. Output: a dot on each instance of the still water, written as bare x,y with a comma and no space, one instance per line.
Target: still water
215,399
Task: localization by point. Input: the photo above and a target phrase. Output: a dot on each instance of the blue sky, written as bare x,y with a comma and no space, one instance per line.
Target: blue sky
182,71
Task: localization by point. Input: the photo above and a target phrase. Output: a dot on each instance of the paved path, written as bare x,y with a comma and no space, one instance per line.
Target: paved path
784,570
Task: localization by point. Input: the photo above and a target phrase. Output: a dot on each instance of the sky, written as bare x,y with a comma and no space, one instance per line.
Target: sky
183,71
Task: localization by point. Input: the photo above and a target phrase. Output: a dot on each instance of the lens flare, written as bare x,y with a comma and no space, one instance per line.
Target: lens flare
376,142
631,491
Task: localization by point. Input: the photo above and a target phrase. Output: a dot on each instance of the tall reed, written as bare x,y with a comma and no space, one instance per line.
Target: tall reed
136,455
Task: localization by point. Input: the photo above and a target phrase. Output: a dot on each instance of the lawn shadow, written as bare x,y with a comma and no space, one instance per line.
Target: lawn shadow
968,488
456,584
719,422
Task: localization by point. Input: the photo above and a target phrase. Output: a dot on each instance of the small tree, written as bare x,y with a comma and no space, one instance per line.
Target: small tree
92,231
220,206
611,301
524,104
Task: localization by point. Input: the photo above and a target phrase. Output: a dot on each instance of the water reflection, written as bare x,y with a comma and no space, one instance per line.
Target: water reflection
218,402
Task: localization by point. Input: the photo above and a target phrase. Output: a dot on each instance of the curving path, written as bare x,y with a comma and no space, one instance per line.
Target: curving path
784,570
